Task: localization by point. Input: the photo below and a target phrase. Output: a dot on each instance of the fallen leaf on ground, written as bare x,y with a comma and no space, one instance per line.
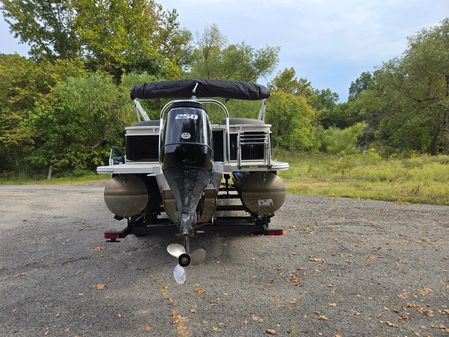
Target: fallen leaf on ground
164,291
404,294
441,327
200,291
424,291
317,259
293,301
216,329
257,318
322,318
271,331
371,257
178,318
100,286
192,310
392,325
428,313
296,279
148,328
99,248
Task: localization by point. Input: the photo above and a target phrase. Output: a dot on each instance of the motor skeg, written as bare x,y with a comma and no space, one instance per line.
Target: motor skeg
186,157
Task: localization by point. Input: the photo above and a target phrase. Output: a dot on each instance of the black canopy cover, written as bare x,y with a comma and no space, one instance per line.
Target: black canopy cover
205,88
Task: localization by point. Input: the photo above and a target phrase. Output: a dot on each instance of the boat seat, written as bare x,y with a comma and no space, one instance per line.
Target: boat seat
237,121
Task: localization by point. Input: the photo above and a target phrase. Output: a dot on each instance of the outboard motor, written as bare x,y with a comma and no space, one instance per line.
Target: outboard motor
186,157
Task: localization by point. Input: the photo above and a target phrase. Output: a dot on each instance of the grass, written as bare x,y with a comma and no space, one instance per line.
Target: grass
86,178
423,179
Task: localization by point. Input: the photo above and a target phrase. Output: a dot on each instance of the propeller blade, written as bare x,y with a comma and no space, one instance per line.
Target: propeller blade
175,249
179,273
198,256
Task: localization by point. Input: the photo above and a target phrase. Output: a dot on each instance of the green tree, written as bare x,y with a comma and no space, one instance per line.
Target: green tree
87,114
214,59
18,92
286,81
116,36
23,84
426,81
120,36
330,114
324,101
369,106
406,105
362,83
292,120
48,27
341,116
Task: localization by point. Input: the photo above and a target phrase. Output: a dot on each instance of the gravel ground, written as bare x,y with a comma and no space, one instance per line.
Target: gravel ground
345,267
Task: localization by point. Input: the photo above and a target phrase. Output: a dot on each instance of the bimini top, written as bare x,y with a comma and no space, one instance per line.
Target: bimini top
200,88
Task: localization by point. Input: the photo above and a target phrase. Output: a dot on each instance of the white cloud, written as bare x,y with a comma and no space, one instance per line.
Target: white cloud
345,32
351,29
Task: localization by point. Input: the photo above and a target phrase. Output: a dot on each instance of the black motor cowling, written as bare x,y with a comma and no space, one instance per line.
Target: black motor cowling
186,156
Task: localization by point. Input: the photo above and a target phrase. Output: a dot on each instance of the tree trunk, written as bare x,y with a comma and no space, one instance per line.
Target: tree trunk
433,148
446,129
446,118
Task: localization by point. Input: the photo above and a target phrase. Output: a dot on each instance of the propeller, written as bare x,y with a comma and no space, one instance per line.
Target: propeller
184,260
175,249
198,256
179,273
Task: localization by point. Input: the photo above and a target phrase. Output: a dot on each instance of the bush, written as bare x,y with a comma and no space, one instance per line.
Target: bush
341,141
293,120
85,116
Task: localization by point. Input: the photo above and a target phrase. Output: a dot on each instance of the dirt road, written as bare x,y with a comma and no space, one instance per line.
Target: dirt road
345,267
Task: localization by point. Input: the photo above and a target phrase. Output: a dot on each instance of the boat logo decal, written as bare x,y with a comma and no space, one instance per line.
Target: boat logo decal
186,116
185,135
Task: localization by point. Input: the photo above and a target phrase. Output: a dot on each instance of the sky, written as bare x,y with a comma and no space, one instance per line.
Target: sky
329,42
